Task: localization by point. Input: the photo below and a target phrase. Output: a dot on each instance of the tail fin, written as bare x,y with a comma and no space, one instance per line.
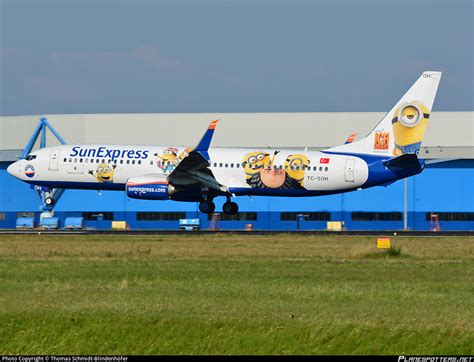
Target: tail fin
402,129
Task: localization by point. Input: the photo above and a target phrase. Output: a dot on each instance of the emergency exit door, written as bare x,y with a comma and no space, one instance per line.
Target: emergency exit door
53,159
349,170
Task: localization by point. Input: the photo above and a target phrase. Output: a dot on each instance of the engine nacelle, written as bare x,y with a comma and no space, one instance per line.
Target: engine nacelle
149,188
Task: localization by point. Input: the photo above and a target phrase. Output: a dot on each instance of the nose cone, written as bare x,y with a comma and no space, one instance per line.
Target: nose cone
10,168
14,169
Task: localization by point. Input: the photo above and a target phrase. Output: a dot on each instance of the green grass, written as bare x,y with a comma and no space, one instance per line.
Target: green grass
235,294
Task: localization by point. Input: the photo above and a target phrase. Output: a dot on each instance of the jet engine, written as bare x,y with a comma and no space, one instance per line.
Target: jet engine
149,187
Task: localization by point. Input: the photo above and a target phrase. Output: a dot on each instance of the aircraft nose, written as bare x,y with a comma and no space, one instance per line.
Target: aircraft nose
14,169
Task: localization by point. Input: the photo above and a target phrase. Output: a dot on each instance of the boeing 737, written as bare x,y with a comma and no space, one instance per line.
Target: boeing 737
389,153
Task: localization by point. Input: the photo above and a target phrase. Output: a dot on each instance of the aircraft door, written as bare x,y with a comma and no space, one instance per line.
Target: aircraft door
349,170
53,159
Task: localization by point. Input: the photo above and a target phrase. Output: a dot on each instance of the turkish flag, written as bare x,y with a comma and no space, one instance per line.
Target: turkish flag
324,160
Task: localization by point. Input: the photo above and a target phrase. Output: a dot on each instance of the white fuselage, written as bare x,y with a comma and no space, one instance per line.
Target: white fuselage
111,166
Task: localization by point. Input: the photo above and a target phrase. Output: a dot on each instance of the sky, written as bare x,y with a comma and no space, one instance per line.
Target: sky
222,56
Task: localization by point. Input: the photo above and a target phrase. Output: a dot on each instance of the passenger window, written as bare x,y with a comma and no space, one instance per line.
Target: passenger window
65,160
80,160
75,160
231,165
139,162
133,162
237,165
320,168
128,162
325,169
220,164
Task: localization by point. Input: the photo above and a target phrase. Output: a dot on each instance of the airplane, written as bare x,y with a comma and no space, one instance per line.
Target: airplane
200,174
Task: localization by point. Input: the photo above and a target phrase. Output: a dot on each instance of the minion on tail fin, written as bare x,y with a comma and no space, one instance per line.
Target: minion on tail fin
402,129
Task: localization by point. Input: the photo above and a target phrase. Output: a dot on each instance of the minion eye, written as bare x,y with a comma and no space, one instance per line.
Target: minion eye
252,159
100,169
106,169
410,116
260,157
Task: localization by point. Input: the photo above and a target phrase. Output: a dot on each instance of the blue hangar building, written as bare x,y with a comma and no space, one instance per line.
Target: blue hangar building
440,198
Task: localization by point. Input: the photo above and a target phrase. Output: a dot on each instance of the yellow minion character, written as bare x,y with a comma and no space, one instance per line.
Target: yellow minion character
104,173
254,161
409,125
295,166
168,159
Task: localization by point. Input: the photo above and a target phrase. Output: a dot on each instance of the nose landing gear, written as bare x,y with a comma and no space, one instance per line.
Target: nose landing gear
49,201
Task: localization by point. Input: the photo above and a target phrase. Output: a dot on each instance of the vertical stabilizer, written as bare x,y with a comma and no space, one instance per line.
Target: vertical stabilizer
402,129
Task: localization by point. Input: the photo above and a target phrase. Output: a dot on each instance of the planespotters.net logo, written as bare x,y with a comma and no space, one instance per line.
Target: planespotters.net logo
29,170
435,359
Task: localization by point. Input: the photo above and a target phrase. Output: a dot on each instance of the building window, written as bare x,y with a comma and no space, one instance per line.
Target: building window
309,216
25,214
240,216
96,215
160,216
451,216
376,216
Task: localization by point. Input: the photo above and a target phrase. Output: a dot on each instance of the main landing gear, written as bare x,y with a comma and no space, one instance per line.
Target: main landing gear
208,207
230,208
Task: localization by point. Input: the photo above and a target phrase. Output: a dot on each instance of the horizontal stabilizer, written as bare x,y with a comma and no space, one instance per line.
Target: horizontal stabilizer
407,161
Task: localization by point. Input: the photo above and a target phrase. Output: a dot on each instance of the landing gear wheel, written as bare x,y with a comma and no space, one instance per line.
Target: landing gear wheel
207,207
49,201
230,208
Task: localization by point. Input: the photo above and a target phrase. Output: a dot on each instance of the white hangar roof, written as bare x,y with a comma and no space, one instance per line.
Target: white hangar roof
449,135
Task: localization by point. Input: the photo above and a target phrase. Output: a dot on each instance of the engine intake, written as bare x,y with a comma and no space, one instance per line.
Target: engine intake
149,188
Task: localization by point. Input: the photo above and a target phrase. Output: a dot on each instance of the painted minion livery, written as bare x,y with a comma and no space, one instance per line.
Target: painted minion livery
295,166
409,123
104,173
168,160
254,161
261,171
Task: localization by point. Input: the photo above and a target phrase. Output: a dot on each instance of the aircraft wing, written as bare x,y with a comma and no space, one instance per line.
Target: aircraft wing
193,171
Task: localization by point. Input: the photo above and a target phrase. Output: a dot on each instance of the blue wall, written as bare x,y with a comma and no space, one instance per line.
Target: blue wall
435,190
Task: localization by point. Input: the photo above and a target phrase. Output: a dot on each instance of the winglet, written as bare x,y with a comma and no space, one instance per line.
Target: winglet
205,142
351,138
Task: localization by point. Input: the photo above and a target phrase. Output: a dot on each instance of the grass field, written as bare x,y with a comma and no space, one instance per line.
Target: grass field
231,294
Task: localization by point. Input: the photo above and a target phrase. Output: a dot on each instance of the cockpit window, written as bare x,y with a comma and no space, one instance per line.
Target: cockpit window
30,157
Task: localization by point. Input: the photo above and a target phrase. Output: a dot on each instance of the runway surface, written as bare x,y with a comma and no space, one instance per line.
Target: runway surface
239,232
